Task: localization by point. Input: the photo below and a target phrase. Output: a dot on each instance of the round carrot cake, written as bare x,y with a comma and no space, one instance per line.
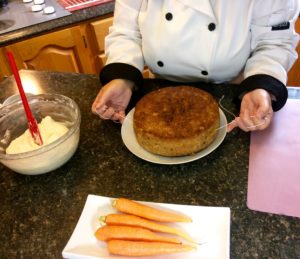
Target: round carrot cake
176,121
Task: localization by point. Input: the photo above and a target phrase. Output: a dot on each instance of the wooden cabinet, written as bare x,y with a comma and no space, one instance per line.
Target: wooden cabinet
63,50
99,30
76,49
294,73
4,67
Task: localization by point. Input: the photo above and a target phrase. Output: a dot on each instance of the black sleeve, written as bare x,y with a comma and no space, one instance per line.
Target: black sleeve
121,71
270,84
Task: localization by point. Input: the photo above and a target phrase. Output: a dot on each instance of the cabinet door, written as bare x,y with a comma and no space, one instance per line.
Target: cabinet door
294,73
4,66
99,30
63,50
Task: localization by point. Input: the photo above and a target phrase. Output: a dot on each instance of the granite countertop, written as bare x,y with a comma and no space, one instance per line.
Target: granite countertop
39,213
75,17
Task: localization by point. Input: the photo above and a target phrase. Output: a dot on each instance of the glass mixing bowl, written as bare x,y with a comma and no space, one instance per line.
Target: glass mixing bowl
13,123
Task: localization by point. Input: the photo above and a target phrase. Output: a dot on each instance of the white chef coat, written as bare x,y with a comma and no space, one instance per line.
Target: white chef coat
205,40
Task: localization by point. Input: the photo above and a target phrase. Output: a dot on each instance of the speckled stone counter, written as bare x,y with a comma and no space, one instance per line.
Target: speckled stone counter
75,17
39,213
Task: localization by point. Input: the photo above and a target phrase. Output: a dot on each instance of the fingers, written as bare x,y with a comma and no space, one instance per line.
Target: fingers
231,125
245,122
255,119
251,119
252,123
256,112
111,113
248,124
120,116
264,115
112,99
98,106
105,112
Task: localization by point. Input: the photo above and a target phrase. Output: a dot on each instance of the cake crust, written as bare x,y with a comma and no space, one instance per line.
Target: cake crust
176,121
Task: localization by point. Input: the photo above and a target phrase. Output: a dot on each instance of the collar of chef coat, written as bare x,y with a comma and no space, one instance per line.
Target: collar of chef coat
203,6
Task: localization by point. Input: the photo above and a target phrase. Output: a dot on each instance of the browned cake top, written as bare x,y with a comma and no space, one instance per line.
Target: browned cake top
176,112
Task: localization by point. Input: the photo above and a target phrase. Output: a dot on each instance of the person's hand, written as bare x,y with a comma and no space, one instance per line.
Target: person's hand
256,112
113,99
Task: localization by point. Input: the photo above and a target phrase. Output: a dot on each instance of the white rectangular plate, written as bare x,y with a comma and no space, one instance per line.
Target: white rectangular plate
210,226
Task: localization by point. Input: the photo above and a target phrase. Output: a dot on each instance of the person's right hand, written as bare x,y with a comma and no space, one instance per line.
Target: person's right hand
113,99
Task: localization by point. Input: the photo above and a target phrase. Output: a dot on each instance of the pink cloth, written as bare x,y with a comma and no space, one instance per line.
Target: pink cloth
274,167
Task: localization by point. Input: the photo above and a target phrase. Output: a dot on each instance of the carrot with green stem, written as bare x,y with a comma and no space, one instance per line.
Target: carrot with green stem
133,248
136,221
107,233
145,211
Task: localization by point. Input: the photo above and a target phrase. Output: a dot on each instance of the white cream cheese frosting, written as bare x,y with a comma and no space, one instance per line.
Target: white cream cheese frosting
50,131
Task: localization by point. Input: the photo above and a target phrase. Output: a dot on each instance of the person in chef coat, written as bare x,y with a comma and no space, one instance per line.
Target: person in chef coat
249,42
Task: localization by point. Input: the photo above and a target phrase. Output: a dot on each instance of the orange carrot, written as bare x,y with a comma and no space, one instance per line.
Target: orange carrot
145,211
133,248
107,233
136,221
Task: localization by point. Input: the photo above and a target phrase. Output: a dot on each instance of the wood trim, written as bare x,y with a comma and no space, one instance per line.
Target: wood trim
294,73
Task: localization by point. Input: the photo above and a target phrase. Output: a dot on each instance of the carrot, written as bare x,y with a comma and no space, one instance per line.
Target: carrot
136,221
107,233
145,211
133,248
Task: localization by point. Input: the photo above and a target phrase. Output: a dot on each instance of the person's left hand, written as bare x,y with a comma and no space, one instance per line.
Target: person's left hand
256,112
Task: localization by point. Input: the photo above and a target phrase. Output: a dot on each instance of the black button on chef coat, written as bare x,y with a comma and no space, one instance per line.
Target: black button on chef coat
212,26
169,16
160,63
205,73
